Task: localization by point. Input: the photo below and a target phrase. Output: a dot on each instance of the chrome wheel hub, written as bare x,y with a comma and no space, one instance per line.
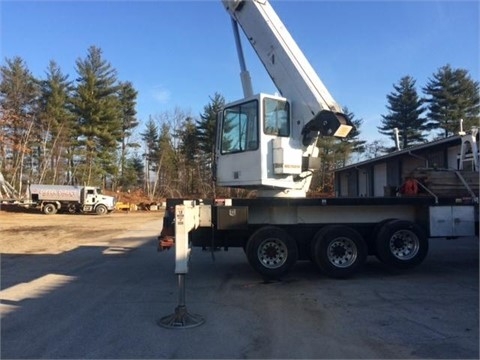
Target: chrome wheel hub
404,245
272,253
342,252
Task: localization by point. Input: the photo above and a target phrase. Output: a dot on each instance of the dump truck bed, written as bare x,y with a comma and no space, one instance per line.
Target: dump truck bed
56,192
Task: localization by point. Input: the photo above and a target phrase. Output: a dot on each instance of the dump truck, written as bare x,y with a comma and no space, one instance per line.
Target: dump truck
51,199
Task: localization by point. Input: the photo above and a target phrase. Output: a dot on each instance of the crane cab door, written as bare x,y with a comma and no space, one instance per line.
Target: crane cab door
249,134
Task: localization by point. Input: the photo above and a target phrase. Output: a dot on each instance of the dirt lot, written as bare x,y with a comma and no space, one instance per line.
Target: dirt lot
36,233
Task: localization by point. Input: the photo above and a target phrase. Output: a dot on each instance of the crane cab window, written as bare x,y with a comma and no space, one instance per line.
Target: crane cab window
277,117
240,128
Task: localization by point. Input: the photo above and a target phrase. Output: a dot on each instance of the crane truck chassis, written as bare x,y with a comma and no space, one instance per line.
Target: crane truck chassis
337,234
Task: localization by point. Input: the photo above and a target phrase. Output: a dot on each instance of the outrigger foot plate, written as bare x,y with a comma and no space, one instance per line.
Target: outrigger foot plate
181,319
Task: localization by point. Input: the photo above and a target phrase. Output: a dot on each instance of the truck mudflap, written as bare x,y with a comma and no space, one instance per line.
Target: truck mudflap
166,239
165,242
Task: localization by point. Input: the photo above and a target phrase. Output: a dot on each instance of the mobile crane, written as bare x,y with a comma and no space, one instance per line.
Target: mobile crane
268,143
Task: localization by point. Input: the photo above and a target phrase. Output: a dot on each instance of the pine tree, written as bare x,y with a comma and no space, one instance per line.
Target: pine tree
136,164
57,125
152,151
323,179
206,129
188,148
168,177
453,95
405,110
19,92
134,174
357,145
207,125
97,107
127,97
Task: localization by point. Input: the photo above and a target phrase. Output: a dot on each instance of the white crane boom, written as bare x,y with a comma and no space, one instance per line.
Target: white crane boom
269,142
284,61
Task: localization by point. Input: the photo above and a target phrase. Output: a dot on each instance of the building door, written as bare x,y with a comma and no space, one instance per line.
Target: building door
379,179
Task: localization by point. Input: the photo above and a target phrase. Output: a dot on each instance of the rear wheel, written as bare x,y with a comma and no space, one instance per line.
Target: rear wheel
401,244
374,234
271,251
339,251
49,209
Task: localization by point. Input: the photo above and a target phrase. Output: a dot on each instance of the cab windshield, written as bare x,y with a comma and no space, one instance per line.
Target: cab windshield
240,128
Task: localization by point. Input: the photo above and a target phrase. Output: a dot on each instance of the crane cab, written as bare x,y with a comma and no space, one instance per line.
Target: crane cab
256,146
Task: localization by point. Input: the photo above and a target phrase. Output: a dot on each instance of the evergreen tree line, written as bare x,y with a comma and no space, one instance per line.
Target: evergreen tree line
58,131
449,97
61,131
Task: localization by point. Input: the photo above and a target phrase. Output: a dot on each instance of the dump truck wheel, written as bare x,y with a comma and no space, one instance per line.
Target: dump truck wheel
49,209
339,251
401,244
271,251
101,210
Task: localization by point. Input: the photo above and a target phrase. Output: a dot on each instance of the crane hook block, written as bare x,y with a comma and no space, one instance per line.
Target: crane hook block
327,123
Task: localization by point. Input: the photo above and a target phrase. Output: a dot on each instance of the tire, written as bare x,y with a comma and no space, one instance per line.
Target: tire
374,235
401,244
339,251
101,210
72,209
271,251
49,209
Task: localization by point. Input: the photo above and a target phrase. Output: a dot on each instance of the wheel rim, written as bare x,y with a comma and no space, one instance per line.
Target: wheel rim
272,253
404,245
342,252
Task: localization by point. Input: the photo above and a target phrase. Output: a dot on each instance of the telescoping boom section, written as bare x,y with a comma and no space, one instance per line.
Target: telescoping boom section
267,142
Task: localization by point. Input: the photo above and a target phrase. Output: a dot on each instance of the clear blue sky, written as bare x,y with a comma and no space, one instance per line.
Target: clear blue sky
179,53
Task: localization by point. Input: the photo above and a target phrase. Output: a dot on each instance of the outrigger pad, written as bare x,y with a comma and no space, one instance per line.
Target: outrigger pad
181,319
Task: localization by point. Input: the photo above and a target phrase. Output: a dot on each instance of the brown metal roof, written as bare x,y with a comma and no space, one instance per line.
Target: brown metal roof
444,141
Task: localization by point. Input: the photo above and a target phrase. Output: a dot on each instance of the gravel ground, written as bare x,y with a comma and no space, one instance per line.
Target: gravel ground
99,293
